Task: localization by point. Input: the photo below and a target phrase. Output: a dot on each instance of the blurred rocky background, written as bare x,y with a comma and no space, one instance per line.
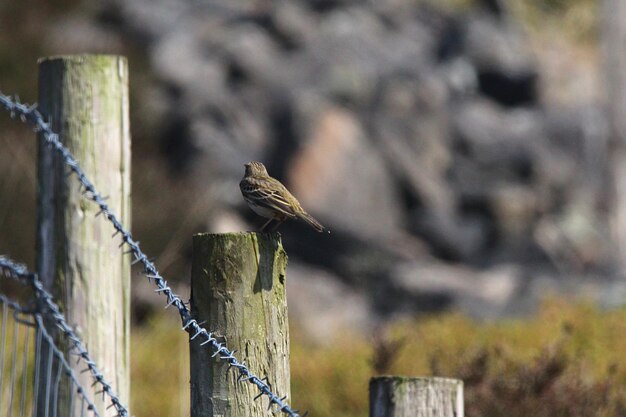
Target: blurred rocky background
460,151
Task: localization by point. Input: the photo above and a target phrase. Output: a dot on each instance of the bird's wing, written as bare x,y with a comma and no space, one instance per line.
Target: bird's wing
269,194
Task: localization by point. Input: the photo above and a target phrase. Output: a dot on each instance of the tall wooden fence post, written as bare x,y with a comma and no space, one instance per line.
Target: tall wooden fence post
238,288
613,41
86,99
394,396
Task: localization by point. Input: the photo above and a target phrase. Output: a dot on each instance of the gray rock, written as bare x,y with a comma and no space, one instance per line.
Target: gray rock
323,306
418,136
506,71
479,293
337,170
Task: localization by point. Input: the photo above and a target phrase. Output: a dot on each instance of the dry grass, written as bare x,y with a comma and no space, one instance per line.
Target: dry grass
565,361
160,368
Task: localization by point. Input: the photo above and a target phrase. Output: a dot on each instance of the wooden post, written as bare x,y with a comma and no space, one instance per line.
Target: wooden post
394,396
613,30
238,288
86,99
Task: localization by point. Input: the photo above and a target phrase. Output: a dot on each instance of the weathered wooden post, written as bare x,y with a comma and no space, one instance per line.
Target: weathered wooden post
395,396
238,288
86,99
613,41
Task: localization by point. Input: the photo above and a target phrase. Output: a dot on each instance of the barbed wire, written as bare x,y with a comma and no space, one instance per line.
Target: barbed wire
15,305
30,115
19,272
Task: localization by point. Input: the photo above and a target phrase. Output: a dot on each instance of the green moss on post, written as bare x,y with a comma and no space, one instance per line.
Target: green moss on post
395,396
86,99
238,288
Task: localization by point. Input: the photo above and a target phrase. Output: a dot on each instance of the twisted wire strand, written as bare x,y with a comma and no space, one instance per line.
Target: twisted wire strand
20,273
30,115
18,308
15,306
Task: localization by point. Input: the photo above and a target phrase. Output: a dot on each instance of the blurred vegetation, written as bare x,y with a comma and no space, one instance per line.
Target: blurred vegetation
159,368
574,20
567,360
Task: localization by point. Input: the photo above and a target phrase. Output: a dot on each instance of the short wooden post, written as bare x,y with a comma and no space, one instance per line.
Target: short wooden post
86,99
395,396
238,289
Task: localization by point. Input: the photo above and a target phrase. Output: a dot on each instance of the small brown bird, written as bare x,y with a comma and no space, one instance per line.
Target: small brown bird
268,198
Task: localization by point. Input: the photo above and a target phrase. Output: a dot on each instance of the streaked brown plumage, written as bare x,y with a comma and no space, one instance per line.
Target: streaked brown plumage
268,198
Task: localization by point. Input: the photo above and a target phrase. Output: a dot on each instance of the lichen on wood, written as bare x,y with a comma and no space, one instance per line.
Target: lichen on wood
397,396
238,287
85,97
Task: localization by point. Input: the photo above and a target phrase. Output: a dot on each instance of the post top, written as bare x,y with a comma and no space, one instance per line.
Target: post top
236,238
236,234
397,379
79,58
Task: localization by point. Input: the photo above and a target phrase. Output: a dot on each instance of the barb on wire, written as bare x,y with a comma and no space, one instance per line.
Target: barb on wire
19,272
30,115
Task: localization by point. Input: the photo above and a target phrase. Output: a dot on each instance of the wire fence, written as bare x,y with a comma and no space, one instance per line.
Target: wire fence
32,367
47,310
45,306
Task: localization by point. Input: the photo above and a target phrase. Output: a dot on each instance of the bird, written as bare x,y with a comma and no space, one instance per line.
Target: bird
269,198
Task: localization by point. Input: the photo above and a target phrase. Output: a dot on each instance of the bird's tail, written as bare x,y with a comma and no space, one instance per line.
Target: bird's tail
313,222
